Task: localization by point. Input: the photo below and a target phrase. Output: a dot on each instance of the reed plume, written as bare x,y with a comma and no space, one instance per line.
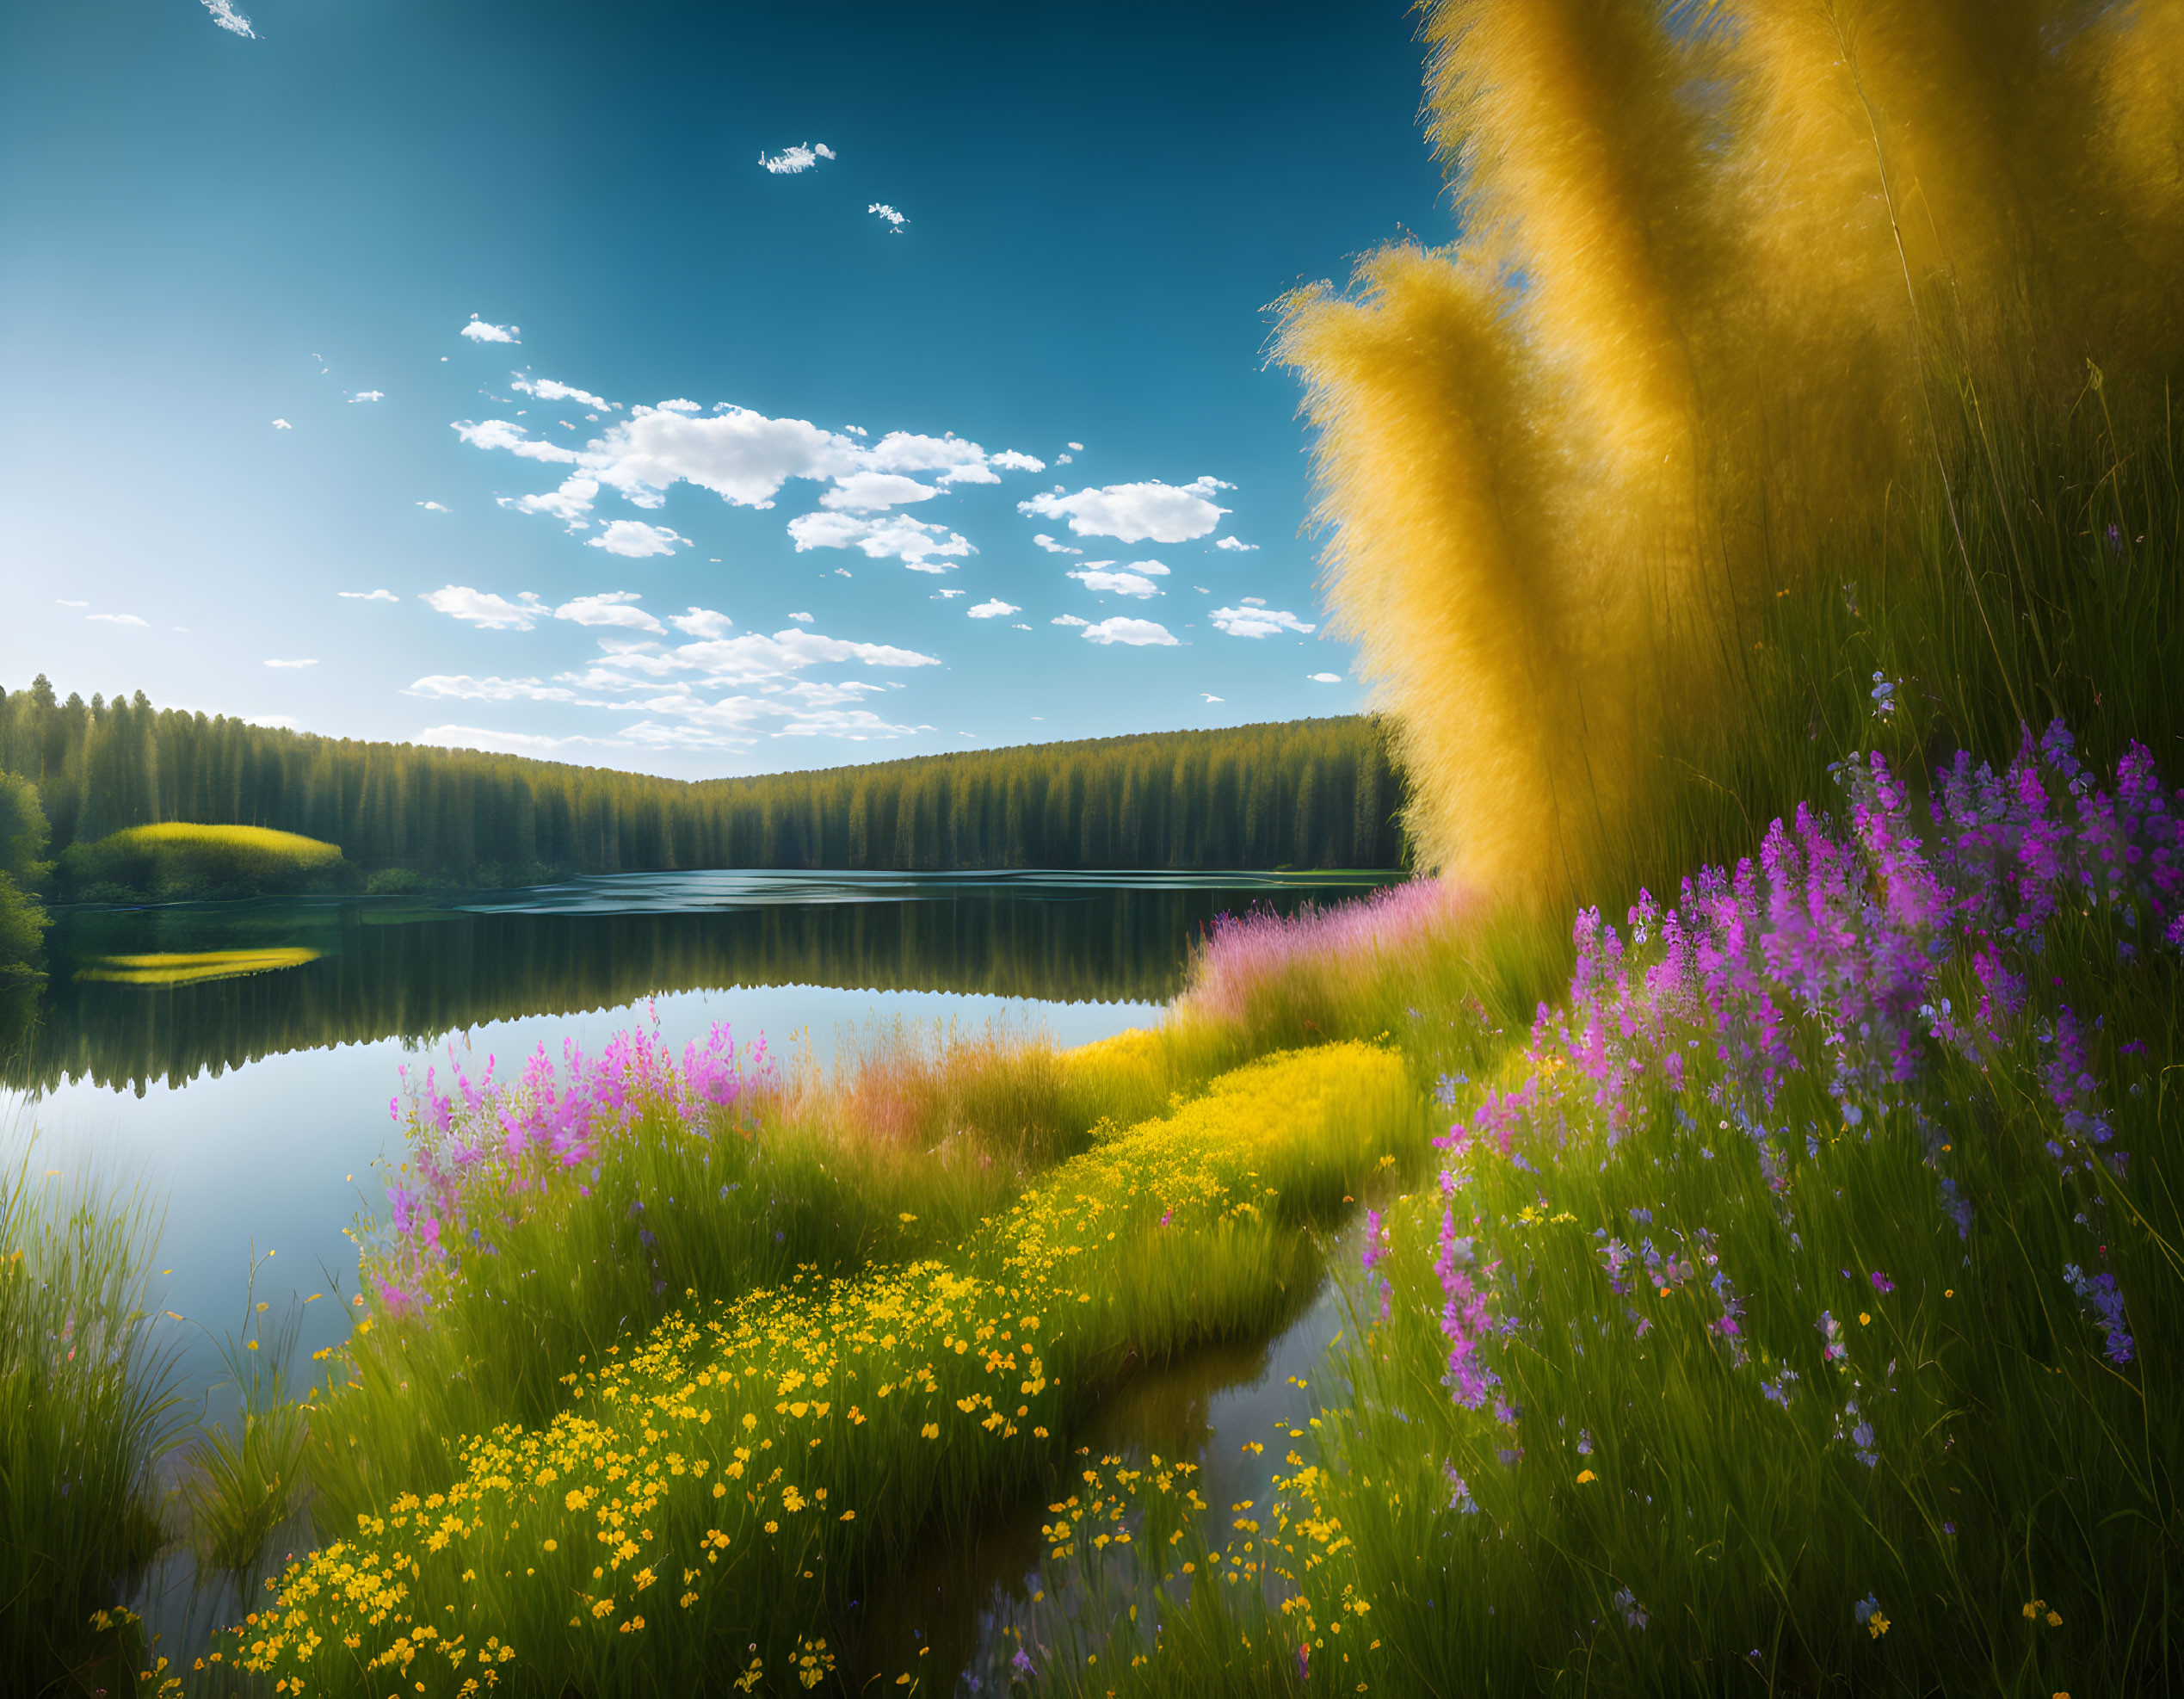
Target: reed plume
1729,274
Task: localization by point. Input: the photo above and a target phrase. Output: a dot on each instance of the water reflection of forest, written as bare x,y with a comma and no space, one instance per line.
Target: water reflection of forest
416,974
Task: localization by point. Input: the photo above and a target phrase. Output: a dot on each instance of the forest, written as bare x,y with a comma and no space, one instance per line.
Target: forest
1301,794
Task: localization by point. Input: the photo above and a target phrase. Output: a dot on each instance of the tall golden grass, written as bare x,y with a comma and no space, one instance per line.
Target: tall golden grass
1734,278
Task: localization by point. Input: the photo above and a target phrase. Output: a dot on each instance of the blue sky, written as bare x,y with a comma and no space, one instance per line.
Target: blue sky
458,372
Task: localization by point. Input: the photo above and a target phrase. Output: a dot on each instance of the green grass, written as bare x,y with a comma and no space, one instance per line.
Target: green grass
86,1413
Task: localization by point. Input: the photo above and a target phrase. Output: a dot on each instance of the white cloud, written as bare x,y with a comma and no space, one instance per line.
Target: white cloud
488,612
1234,547
1255,601
1068,619
225,16
1019,626
864,492
704,622
1054,547
993,610
751,659
282,424
1136,632
500,434
368,395
895,219
1136,511
271,722
741,456
118,620
432,507
801,619
497,743
67,603
1077,447
547,390
609,607
957,459
1258,621
1165,513
480,332
791,160
921,548
291,663
946,594
568,503
1097,578
635,539
1211,697
366,595
856,725
463,687
1325,677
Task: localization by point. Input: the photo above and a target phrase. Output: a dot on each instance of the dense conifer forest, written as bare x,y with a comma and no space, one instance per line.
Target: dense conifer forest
1300,793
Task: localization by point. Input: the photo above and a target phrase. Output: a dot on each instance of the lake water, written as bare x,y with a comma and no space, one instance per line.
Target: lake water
254,1104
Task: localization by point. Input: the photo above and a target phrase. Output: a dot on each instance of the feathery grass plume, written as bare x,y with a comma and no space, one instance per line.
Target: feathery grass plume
1735,279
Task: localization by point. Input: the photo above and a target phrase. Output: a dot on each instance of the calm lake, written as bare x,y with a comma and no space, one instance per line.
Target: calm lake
236,1060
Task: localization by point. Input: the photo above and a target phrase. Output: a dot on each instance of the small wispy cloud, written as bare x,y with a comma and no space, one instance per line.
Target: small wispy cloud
1068,619
545,389
225,16
1325,677
634,540
366,595
282,424
920,547
480,332
368,395
1138,633
432,507
801,619
1054,547
1259,622
292,664
1211,697
791,160
501,743
118,620
1135,513
1098,578
484,610
65,603
611,607
1234,547
894,219
993,610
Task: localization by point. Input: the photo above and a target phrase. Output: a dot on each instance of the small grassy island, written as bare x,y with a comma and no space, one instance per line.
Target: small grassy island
175,861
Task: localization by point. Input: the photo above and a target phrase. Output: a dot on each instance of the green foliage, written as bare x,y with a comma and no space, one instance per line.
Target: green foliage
22,844
86,1412
1306,793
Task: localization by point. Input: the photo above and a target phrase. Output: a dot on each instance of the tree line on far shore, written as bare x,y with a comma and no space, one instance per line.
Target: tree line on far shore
1299,793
